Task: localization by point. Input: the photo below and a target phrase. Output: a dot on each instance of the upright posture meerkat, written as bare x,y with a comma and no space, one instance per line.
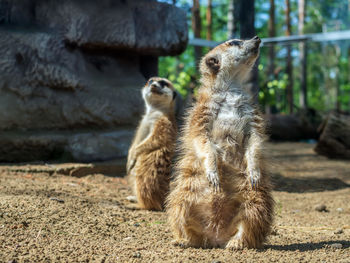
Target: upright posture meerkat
152,149
221,195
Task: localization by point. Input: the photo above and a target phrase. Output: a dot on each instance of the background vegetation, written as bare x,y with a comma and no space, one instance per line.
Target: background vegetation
328,69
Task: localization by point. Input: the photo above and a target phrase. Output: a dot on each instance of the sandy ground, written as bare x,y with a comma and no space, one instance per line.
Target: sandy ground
51,217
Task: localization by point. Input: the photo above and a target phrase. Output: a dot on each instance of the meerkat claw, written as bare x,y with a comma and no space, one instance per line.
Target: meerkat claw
213,179
254,179
131,165
254,183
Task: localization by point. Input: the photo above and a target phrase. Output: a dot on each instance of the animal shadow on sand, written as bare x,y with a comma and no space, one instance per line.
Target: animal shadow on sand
306,184
303,247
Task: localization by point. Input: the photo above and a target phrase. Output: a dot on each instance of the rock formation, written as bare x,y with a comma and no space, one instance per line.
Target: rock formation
71,73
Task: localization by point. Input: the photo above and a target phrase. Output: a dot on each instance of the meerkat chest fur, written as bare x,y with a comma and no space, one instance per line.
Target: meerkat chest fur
233,115
148,122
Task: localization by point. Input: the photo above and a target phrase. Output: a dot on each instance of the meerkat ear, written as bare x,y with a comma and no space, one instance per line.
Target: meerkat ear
213,63
174,94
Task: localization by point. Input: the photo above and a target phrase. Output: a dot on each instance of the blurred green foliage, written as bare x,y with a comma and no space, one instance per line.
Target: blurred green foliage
328,68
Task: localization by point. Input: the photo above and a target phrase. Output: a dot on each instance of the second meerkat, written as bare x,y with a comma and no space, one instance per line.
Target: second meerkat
222,195
151,152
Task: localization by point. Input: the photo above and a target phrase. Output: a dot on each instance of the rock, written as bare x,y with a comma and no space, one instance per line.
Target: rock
44,85
100,146
334,141
71,78
321,208
132,198
274,231
137,255
291,127
340,210
137,224
336,246
57,199
67,146
113,168
147,27
339,231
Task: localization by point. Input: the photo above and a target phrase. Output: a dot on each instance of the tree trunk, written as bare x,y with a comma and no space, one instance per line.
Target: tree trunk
209,20
232,18
272,33
247,30
289,66
196,27
334,141
337,80
302,55
271,49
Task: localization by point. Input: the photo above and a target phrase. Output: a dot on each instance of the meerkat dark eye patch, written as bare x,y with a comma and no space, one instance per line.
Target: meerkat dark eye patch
163,83
237,43
213,63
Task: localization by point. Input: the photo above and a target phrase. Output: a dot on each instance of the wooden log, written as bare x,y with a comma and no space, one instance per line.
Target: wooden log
290,127
334,141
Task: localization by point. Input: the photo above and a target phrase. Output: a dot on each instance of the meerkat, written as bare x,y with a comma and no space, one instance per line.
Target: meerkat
222,195
151,152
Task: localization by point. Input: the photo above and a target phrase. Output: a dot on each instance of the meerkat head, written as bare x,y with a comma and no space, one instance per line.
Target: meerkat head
232,59
159,93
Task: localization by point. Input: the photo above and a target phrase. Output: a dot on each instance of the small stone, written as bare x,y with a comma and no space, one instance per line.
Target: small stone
216,261
321,208
336,245
137,224
339,231
340,210
274,232
137,255
57,200
127,238
132,198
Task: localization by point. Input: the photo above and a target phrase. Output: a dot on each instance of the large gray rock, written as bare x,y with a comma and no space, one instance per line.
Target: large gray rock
144,26
71,72
46,86
89,146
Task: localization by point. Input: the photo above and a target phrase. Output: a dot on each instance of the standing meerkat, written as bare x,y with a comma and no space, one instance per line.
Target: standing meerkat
222,195
151,152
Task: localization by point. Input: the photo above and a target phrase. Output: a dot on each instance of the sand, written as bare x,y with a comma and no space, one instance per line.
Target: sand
48,216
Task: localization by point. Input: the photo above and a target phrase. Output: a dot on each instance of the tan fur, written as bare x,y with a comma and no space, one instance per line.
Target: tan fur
151,152
222,195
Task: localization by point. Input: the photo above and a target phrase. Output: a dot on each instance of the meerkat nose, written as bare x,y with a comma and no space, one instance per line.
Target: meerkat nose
257,39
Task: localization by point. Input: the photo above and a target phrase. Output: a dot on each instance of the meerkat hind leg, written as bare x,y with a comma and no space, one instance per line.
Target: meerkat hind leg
237,242
256,219
194,239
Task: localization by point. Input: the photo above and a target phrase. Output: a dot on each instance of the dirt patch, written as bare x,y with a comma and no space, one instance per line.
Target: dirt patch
51,217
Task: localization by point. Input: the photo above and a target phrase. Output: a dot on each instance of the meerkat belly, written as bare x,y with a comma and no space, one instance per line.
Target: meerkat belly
230,129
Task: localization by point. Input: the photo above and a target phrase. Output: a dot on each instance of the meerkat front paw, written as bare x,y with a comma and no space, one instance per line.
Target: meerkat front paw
130,165
180,243
235,244
213,178
254,176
